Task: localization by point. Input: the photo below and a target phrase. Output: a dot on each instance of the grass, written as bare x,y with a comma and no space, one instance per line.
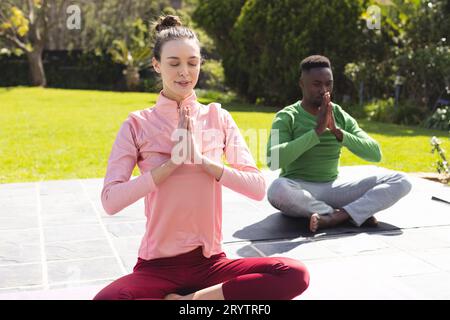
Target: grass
48,134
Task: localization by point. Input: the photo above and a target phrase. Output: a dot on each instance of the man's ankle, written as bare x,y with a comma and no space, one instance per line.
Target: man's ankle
340,215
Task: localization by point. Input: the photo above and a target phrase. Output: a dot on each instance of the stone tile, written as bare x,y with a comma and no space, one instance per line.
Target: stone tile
406,264
65,218
58,199
10,292
354,244
77,250
18,206
441,234
21,209
438,257
257,226
263,206
60,187
19,222
29,236
391,262
77,286
17,253
416,240
92,182
231,209
83,207
240,250
26,189
129,260
77,291
409,213
337,279
73,292
83,270
134,212
73,233
93,188
20,275
431,285
126,229
296,249
127,246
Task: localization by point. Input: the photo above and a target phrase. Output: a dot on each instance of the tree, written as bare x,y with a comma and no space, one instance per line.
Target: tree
411,45
217,18
264,41
30,26
22,26
134,53
24,29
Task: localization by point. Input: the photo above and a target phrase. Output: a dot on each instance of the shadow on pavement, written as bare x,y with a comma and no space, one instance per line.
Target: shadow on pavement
278,226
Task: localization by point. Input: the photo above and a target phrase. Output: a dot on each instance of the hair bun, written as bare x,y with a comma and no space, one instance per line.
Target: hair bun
166,22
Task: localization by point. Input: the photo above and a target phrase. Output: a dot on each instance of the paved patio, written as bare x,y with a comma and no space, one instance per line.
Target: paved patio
56,242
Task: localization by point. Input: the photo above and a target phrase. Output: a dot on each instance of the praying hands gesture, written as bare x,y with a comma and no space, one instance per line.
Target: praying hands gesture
325,118
188,151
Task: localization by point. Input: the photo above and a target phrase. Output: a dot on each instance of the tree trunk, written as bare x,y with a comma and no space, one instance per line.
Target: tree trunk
36,68
132,78
361,93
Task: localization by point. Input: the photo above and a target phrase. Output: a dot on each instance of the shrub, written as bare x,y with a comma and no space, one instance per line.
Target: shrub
385,111
211,76
262,42
439,120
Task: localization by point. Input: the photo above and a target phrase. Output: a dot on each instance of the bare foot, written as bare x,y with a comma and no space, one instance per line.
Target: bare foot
173,296
318,221
323,221
371,222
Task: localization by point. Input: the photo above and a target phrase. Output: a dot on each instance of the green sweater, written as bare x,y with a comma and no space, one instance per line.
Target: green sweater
305,155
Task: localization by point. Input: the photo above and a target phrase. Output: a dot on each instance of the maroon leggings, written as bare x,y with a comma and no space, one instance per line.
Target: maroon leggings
267,278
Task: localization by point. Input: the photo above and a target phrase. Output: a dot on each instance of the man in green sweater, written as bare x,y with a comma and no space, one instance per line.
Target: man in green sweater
306,144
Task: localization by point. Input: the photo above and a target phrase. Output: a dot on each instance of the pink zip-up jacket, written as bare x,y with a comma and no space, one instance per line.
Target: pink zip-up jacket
185,210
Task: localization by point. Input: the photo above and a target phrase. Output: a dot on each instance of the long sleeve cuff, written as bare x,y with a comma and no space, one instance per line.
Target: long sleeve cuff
249,183
118,195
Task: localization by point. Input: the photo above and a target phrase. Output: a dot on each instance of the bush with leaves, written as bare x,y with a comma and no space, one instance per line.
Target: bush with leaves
440,119
211,76
262,42
442,165
133,52
384,110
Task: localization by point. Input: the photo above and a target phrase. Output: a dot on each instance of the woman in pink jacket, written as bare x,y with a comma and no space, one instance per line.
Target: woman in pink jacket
178,146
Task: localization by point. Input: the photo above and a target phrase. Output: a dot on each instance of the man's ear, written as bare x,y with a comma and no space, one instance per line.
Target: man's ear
156,65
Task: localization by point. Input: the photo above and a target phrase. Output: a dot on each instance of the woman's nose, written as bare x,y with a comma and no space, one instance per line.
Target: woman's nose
182,71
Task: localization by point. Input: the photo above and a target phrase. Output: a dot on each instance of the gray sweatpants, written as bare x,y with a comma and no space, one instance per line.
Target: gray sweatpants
361,198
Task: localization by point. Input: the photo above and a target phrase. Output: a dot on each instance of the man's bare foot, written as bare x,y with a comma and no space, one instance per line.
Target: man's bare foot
173,296
323,221
318,221
314,222
372,222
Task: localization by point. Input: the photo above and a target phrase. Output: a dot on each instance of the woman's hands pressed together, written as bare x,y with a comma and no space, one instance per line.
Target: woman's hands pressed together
188,151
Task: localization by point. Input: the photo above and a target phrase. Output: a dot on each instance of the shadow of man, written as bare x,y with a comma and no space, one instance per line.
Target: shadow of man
278,226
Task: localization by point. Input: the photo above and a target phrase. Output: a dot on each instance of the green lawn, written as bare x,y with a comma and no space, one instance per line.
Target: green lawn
48,134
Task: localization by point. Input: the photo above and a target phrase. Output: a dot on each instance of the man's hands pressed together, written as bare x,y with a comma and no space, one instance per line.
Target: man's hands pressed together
325,118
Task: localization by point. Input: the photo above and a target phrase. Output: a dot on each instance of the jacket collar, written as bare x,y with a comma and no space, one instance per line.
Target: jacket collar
170,107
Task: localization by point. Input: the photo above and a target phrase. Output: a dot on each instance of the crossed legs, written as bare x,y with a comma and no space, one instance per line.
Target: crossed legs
329,204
